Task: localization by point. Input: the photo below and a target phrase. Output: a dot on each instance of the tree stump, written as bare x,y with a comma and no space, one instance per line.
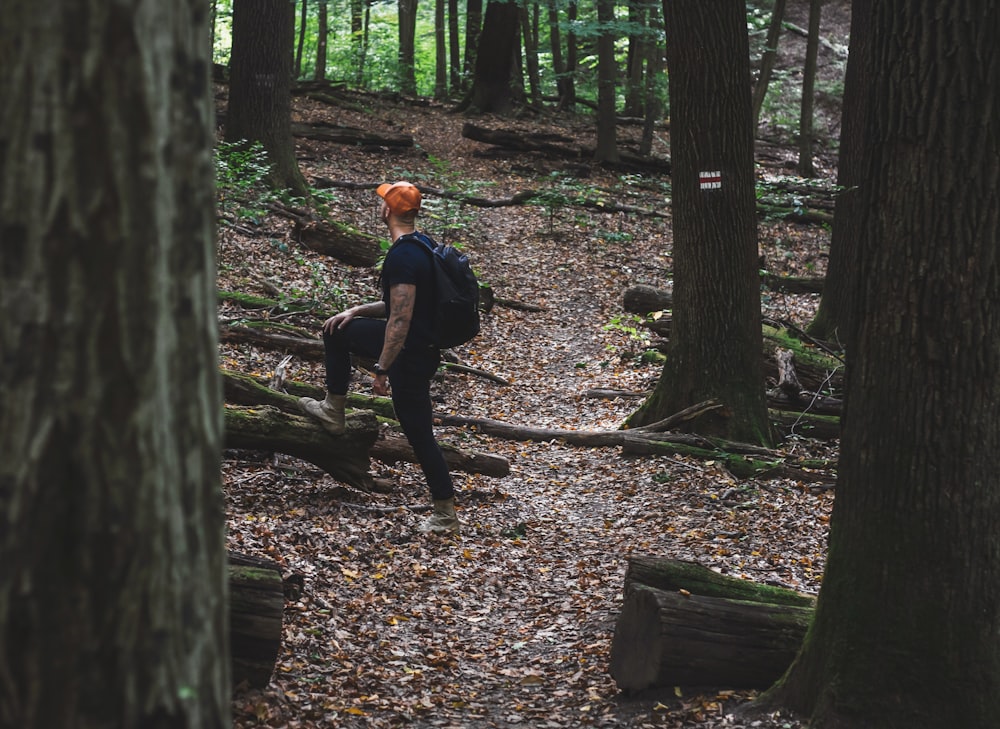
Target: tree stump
698,628
256,606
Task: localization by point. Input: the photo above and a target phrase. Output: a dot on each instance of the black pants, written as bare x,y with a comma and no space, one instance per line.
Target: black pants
410,379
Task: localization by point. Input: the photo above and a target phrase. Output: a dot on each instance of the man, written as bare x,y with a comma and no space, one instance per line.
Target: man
396,333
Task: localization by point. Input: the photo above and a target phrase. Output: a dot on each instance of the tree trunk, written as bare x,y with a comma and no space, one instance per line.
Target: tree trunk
491,90
454,54
113,604
274,433
530,41
303,22
684,625
473,25
260,86
440,52
905,632
407,42
767,60
806,132
654,71
321,40
607,75
715,340
836,315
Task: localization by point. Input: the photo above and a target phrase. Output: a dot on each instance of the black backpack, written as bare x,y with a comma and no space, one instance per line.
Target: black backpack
456,293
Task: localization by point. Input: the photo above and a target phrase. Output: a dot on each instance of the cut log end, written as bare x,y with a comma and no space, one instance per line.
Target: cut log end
637,646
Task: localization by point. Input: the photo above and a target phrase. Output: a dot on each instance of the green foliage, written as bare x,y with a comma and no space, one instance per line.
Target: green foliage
637,336
240,172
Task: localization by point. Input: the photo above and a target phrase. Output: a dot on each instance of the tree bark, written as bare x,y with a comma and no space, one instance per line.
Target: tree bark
112,593
806,130
905,632
668,639
260,86
344,457
491,88
331,238
715,338
407,42
607,73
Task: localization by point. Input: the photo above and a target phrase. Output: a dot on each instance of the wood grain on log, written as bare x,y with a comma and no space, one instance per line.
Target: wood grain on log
682,624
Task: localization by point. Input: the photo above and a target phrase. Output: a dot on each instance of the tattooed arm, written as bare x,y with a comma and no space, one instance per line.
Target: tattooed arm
401,300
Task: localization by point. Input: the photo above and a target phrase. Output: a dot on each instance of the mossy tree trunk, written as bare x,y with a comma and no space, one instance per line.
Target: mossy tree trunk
113,588
260,83
906,626
715,340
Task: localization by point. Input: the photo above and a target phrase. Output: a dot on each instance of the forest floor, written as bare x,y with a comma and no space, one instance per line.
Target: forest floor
511,623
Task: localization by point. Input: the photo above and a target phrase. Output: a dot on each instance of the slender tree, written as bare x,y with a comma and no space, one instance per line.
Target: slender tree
440,52
113,588
303,25
806,130
322,36
715,341
260,86
905,629
407,46
454,55
529,39
567,101
555,42
607,76
836,313
654,67
767,59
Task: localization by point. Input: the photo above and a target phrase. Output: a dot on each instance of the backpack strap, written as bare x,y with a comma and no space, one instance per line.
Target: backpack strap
417,237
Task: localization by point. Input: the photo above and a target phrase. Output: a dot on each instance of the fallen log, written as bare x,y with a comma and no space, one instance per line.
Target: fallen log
345,457
257,596
337,240
556,146
251,391
392,449
692,631
643,299
311,349
326,132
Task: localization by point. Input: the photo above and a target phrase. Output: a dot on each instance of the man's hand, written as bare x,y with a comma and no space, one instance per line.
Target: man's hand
338,321
381,385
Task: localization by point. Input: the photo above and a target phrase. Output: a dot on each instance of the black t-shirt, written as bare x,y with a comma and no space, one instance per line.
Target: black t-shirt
409,262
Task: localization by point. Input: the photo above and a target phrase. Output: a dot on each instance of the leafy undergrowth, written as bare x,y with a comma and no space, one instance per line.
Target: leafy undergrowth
511,623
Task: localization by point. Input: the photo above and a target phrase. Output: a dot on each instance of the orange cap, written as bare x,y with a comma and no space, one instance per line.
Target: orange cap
401,197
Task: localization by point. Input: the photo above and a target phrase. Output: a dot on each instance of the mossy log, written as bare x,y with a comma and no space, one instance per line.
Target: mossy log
246,390
345,457
749,464
693,630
